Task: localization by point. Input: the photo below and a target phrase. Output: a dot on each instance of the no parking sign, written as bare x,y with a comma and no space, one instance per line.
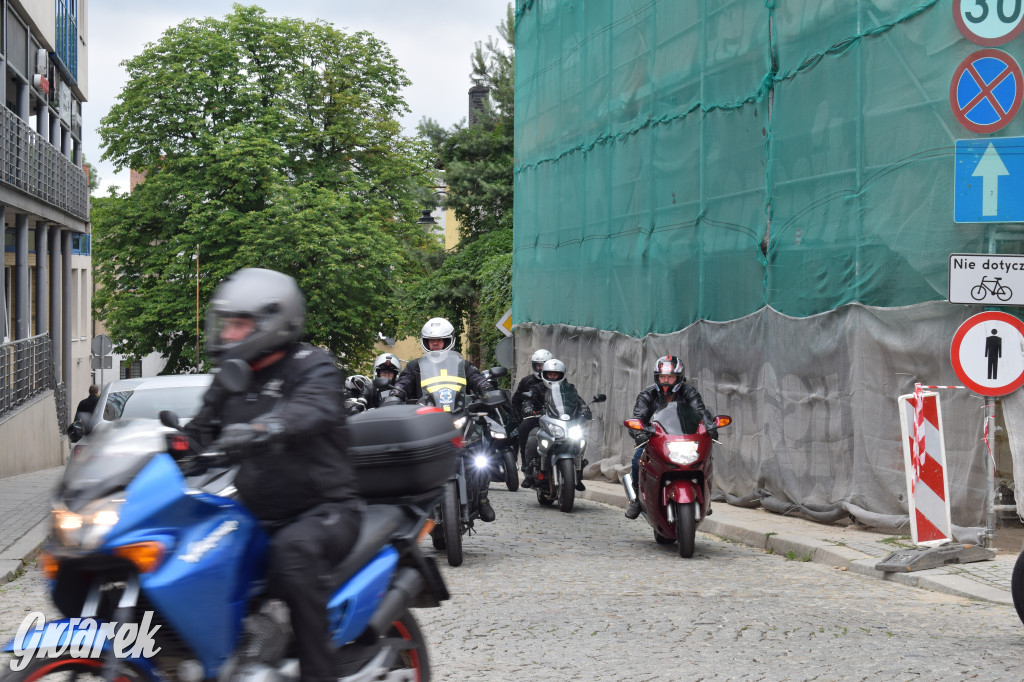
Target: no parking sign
986,91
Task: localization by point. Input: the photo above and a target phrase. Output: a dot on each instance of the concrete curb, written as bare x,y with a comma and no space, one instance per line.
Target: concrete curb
830,554
23,551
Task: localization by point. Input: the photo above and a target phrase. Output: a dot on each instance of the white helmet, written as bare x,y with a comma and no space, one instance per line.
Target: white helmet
553,367
537,360
437,328
387,362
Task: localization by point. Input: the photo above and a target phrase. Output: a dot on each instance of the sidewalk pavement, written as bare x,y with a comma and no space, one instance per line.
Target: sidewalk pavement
25,526
851,548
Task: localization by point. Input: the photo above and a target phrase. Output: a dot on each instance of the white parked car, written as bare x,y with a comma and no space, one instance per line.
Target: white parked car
145,398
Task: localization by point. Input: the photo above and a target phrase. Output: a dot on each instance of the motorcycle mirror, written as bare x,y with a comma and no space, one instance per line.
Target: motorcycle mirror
494,398
380,383
722,420
234,375
170,419
599,398
498,371
75,431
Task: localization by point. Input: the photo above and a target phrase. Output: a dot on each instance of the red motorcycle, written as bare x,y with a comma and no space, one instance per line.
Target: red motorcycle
675,474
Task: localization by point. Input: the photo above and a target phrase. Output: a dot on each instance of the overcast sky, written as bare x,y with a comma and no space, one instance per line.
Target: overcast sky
432,41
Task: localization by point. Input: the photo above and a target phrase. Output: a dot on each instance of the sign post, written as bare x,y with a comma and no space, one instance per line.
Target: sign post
101,347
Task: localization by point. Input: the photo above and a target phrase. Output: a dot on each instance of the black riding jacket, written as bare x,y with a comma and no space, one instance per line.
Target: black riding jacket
306,463
529,393
651,399
407,385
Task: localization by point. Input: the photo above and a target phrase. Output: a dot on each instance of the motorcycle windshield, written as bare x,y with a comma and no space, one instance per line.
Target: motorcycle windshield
563,400
114,456
677,419
443,377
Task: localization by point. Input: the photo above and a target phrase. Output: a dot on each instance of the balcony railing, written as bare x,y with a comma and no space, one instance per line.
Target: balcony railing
28,162
26,370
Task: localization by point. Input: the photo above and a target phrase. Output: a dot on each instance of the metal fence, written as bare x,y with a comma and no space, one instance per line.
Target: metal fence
31,164
26,370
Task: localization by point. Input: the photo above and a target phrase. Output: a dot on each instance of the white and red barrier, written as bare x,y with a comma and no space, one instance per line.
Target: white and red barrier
924,454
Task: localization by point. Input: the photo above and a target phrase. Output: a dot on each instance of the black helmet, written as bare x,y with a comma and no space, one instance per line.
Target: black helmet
669,364
272,304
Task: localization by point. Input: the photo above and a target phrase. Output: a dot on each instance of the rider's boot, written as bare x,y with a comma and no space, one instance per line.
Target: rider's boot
579,481
633,510
528,474
485,508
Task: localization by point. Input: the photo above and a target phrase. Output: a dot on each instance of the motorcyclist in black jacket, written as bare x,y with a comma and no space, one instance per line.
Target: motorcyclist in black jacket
528,398
287,432
438,334
552,377
669,386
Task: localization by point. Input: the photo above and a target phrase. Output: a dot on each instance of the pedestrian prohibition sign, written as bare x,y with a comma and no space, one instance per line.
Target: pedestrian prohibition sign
988,353
986,90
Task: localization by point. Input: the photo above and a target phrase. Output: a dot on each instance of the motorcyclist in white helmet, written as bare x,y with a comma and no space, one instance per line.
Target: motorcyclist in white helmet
386,367
552,378
529,397
438,336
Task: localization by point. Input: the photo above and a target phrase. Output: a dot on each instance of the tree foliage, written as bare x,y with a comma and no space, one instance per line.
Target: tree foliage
265,142
472,286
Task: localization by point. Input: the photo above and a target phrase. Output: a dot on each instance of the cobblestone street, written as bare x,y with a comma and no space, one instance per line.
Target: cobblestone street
544,595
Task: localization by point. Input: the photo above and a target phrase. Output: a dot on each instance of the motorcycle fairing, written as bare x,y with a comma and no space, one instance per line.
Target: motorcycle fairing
561,400
443,376
217,553
681,491
350,608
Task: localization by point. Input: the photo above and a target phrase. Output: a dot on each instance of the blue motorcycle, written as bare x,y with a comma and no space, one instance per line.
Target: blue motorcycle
160,570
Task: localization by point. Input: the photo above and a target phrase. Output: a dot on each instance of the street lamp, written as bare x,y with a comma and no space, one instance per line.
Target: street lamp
426,219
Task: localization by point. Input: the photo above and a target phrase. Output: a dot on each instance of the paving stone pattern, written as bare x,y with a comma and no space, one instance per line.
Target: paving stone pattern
544,595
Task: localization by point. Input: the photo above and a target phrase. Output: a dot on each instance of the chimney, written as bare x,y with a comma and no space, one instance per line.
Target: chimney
477,95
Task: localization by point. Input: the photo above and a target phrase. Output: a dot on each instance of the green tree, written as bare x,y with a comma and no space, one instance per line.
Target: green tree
472,286
265,142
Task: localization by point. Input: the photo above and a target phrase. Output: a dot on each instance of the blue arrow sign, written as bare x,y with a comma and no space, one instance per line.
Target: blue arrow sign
988,182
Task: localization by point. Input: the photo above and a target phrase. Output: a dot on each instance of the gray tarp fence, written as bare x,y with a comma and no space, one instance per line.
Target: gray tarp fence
814,405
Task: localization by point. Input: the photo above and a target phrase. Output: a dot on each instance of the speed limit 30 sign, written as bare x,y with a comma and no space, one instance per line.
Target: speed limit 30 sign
989,22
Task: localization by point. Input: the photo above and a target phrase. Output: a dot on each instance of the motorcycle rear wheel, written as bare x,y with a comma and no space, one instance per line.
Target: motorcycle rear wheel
85,669
451,523
567,489
511,474
1017,586
686,528
414,657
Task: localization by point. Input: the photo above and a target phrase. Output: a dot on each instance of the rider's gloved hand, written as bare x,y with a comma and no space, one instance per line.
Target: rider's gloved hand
237,440
713,432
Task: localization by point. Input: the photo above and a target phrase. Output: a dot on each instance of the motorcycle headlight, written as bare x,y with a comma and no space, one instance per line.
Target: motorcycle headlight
682,451
460,422
480,462
556,431
89,528
498,434
576,432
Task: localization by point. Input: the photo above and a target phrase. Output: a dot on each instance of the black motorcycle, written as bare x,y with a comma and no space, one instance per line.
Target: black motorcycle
1017,586
500,435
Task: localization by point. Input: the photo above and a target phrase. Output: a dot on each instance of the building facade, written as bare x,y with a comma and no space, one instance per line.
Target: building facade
45,318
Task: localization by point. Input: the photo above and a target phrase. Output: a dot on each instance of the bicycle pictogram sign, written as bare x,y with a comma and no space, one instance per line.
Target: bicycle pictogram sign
986,91
994,286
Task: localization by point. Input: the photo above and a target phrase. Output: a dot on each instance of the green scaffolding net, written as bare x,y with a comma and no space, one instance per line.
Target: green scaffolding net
678,161
765,188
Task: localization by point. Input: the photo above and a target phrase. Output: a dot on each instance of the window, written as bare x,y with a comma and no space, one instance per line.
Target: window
131,370
81,244
67,35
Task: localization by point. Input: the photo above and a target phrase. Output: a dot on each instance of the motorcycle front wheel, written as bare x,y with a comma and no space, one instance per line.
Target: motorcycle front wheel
74,668
686,528
1017,586
511,474
451,523
567,489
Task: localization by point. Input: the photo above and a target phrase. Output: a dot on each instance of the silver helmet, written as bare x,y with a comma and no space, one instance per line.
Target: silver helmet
553,373
537,360
387,362
437,328
269,302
